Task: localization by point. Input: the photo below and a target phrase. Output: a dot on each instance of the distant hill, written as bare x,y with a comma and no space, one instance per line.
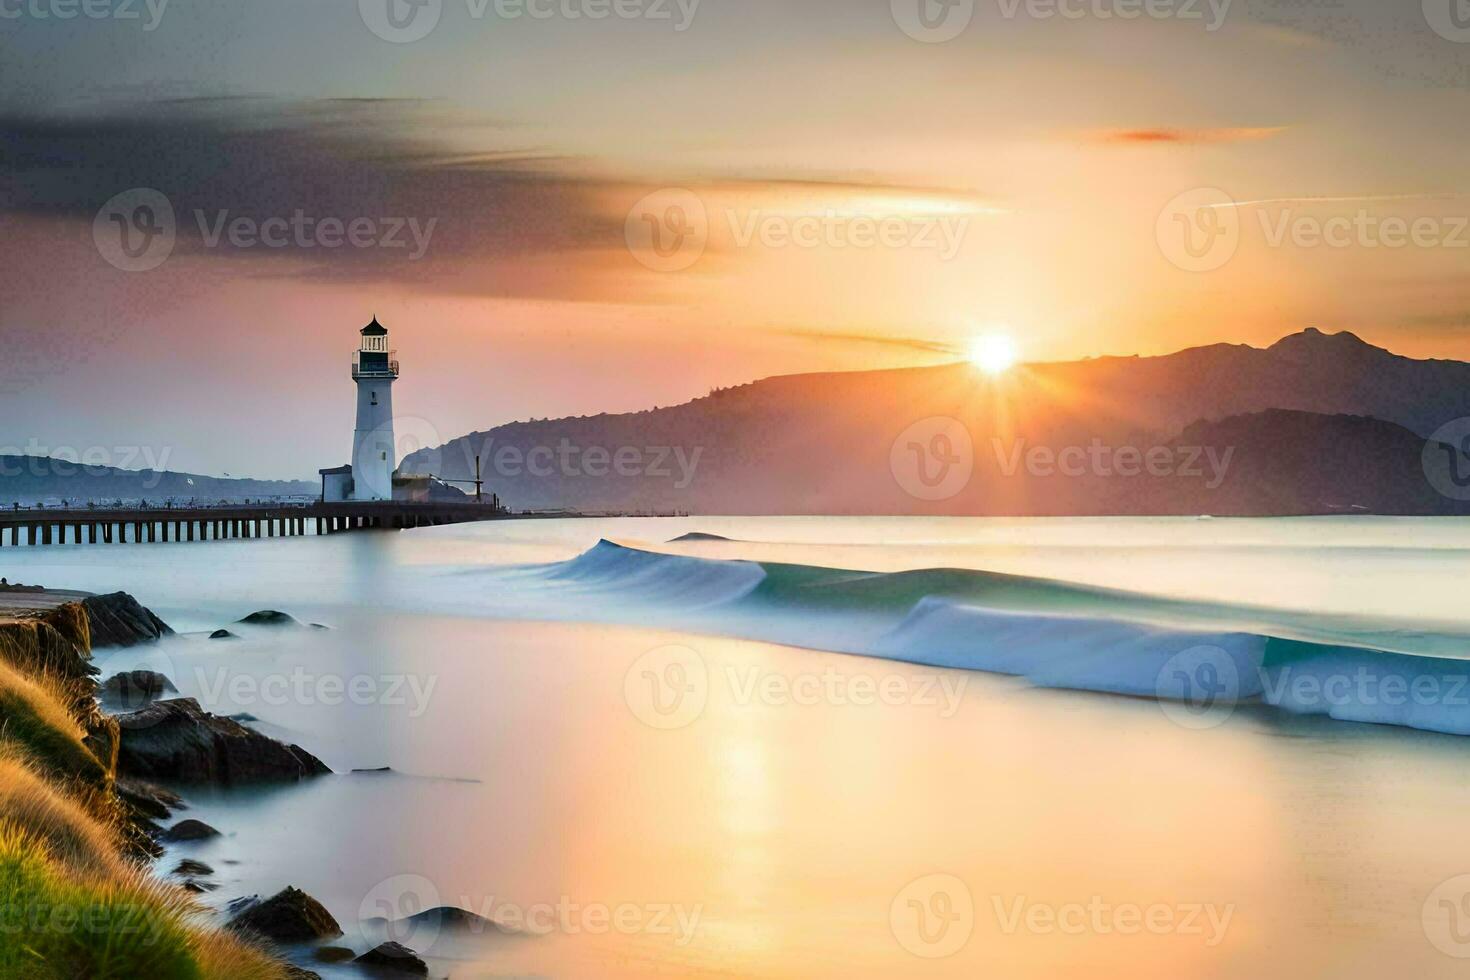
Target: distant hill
1301,415
39,479
1287,463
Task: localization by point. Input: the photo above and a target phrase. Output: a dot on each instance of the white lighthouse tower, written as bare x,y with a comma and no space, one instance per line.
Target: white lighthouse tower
374,368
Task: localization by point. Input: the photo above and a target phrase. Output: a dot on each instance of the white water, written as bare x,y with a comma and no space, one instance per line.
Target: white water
792,811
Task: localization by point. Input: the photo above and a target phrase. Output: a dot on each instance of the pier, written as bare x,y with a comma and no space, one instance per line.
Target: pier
149,525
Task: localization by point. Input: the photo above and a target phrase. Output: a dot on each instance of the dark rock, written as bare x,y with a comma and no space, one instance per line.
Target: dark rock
178,740
374,771
297,973
136,688
289,916
333,954
192,868
223,635
449,917
269,617
394,957
118,620
243,717
187,830
146,799
319,626
199,887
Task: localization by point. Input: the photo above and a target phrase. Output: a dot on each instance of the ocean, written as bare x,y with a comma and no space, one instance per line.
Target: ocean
847,747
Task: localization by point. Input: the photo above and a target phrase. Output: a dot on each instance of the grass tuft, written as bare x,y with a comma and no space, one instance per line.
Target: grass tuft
35,720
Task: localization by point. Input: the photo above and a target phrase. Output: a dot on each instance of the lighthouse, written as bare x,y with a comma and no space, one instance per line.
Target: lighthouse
374,369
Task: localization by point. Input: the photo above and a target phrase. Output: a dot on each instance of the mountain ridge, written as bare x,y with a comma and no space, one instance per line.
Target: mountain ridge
825,442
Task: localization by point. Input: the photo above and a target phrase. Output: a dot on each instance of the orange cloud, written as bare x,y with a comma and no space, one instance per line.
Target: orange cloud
1192,136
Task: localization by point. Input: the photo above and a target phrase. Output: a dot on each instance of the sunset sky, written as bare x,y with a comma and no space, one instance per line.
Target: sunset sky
853,196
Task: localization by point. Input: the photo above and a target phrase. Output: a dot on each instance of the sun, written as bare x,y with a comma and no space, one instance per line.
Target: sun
993,353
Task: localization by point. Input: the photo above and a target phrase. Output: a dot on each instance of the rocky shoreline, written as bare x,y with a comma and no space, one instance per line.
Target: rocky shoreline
143,738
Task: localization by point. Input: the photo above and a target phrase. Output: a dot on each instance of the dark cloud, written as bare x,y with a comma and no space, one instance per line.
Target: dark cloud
241,158
469,209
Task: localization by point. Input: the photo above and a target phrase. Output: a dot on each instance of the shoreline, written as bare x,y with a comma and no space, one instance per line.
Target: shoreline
80,825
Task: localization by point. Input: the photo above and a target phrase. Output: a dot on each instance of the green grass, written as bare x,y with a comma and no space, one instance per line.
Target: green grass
35,721
58,924
71,905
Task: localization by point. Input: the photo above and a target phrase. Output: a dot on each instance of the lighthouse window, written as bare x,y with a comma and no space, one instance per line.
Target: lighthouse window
375,398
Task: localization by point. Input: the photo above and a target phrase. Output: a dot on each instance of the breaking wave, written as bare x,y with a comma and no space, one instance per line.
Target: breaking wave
1052,634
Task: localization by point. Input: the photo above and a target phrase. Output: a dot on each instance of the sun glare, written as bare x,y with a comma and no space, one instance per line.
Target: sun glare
993,354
